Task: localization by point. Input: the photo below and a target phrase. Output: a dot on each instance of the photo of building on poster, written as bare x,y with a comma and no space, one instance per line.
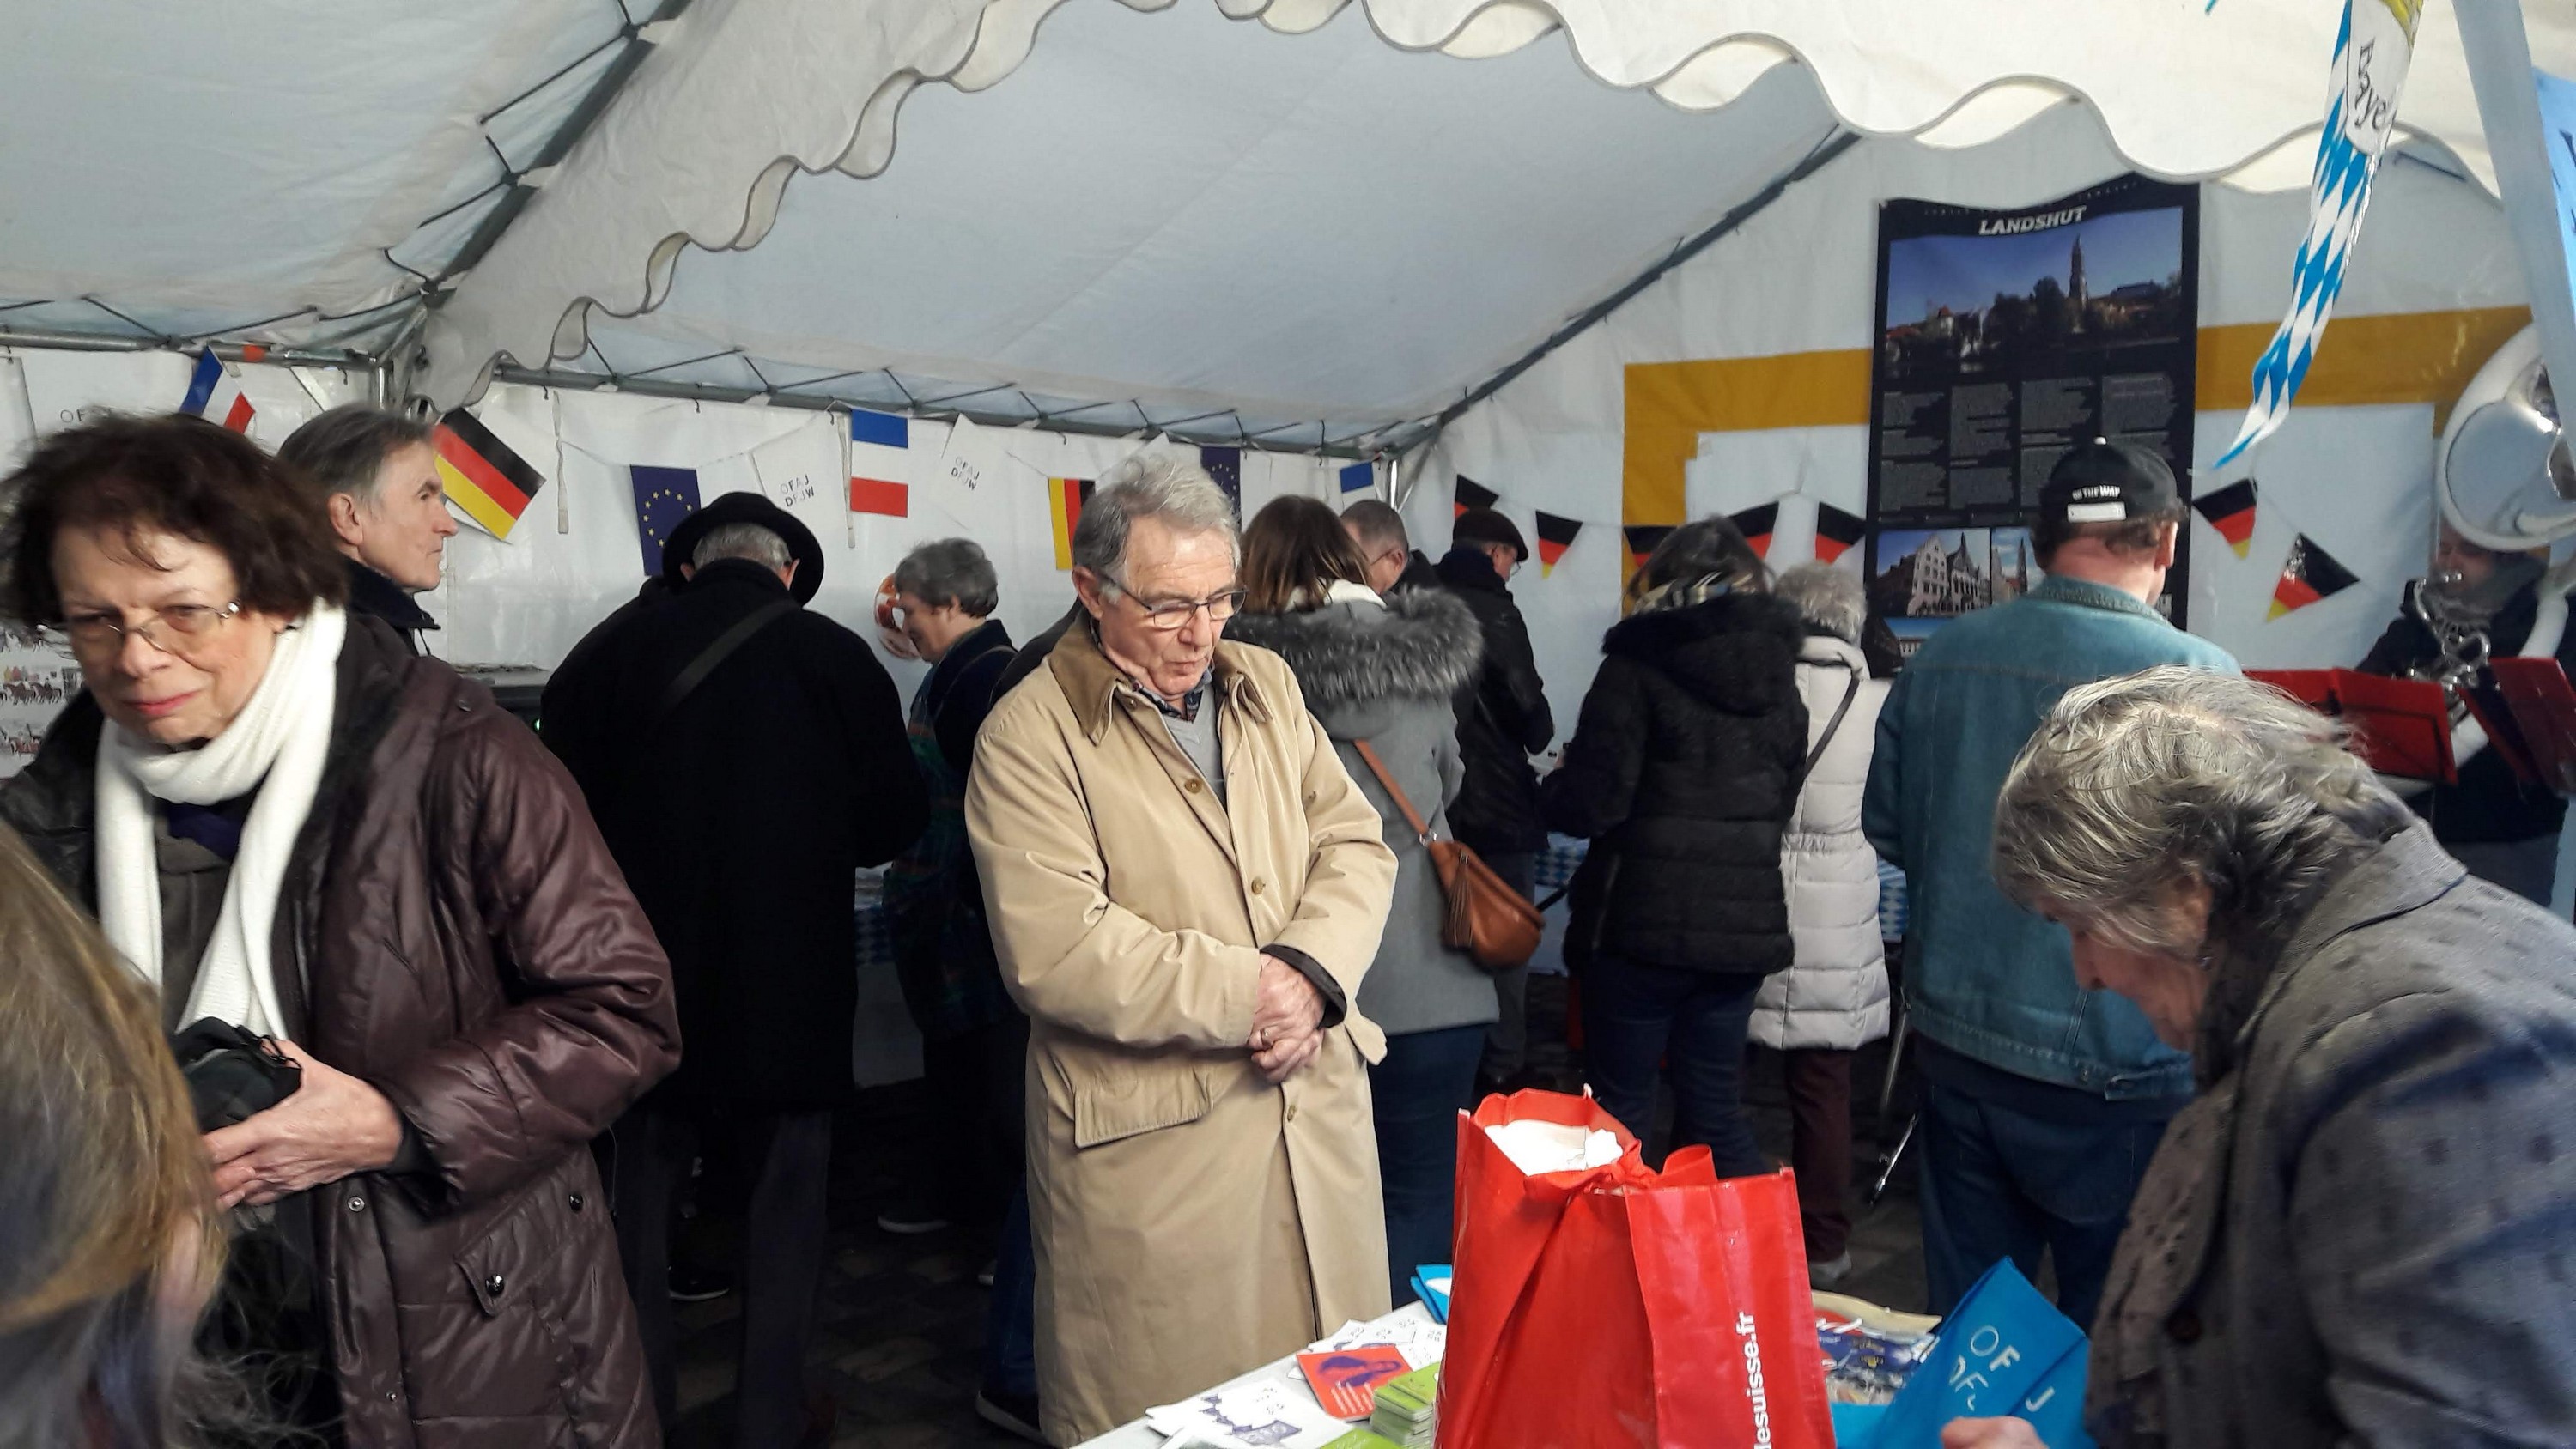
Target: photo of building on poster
2006,338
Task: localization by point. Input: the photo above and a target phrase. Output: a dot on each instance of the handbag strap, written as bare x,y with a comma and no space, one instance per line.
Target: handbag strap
1850,692
1377,767
689,678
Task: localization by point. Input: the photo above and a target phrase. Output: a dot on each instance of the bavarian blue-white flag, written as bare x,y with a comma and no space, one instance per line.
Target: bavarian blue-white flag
2370,57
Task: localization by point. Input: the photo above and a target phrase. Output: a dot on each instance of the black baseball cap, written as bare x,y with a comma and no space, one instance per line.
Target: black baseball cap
1484,525
2106,482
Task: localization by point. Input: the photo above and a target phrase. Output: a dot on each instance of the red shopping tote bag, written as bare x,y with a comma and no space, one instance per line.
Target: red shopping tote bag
1610,1306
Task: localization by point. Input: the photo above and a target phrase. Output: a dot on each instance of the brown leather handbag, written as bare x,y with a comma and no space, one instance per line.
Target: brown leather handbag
1494,924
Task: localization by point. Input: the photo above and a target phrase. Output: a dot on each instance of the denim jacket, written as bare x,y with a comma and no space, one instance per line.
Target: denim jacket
1984,977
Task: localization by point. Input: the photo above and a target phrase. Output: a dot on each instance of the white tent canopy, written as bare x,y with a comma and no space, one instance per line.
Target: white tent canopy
1285,220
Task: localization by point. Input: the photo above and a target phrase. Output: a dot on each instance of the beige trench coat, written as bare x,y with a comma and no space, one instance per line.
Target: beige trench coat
1191,1220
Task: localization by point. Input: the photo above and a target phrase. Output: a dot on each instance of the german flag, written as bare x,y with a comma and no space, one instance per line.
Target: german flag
1837,532
1555,536
1065,497
2230,510
1472,494
1757,526
482,475
2310,575
1642,539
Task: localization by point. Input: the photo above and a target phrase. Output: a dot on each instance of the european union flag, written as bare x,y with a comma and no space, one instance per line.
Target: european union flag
1225,465
663,496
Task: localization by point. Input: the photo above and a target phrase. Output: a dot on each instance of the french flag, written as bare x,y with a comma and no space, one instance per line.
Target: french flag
215,394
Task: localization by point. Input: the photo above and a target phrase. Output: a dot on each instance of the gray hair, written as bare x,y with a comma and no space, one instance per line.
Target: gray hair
344,449
1832,599
1378,525
1149,485
950,571
741,540
2136,784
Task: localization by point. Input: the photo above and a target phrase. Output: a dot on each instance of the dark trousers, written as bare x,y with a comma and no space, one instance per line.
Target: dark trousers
1820,1146
1507,1040
1011,1318
1415,1096
977,1083
2004,1176
789,1157
1636,1015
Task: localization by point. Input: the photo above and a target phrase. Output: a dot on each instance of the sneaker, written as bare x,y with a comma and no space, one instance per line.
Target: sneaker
1015,1414
984,1275
910,1219
1826,1274
696,1285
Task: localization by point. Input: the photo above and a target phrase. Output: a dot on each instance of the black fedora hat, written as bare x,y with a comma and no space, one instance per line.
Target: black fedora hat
732,508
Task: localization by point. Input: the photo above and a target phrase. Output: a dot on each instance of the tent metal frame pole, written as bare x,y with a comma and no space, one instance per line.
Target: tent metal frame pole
487,232
228,351
1058,423
1817,157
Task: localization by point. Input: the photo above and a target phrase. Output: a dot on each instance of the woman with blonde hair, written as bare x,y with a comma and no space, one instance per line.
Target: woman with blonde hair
108,1237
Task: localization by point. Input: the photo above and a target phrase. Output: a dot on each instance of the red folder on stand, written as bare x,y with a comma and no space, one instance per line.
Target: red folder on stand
2544,714
2401,726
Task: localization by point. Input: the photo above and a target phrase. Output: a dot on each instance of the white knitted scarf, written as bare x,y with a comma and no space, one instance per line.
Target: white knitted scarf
280,738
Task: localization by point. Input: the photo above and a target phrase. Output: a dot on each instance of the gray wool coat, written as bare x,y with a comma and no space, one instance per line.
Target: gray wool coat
2363,1232
1386,673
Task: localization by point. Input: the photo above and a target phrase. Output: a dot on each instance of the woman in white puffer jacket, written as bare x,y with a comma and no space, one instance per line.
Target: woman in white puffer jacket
1834,999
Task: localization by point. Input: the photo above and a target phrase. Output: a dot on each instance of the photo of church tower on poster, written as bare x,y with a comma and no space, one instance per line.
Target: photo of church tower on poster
2004,339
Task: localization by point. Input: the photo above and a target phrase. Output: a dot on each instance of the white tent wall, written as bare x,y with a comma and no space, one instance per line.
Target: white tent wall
528,600
1800,279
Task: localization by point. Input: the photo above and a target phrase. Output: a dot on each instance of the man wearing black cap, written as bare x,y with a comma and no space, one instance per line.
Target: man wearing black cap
2042,1101
744,757
1503,719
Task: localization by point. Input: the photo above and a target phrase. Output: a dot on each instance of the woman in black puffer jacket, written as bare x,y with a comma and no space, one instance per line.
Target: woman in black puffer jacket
1683,772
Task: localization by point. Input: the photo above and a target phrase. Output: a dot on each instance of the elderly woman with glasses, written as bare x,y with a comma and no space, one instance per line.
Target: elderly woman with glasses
289,825
2363,1230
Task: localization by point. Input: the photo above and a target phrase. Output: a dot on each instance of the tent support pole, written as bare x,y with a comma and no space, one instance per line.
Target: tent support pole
228,351
1815,160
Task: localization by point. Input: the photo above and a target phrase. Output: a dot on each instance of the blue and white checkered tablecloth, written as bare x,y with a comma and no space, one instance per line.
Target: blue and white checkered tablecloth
1891,902
1556,864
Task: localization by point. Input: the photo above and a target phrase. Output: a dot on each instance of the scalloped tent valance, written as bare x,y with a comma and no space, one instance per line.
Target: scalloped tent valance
1287,220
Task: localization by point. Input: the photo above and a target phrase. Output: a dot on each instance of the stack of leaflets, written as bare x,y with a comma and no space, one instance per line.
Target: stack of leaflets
1407,1408
1431,1285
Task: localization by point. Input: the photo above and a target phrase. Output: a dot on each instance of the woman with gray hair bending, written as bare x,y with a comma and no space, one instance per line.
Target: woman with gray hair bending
2363,1230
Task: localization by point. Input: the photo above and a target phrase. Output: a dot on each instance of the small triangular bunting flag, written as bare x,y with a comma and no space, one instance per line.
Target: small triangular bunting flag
1757,524
1555,536
2230,510
1472,494
1837,532
2310,575
1642,539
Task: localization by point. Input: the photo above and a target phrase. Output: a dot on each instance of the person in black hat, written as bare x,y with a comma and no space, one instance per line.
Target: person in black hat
744,757
2042,1100
1503,719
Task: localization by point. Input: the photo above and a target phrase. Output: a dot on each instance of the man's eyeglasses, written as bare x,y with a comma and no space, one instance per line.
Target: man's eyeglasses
1173,613
172,629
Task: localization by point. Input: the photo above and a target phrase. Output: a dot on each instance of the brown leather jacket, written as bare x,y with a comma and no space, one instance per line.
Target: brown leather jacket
473,952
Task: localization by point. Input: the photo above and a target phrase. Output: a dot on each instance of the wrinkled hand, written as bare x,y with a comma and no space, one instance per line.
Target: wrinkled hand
1287,1015
333,1126
2003,1433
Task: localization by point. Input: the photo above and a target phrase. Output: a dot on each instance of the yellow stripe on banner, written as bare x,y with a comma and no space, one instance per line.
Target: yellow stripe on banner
2364,361
1671,403
2393,357
1055,521
478,505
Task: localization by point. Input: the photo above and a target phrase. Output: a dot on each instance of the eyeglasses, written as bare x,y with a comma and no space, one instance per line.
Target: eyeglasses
172,629
1173,613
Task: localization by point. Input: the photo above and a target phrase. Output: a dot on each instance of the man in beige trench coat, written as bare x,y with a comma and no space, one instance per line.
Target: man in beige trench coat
1184,887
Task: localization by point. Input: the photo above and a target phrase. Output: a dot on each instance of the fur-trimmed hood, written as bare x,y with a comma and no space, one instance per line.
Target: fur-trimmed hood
1357,662
1736,652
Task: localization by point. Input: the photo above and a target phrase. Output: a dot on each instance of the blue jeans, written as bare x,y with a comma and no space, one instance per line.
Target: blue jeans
1693,1022
1416,1094
2010,1169
1011,1319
